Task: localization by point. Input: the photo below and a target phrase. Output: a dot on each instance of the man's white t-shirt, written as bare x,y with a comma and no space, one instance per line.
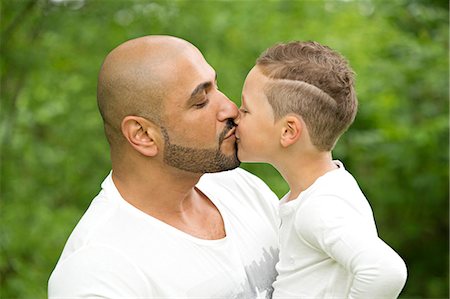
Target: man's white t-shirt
117,251
329,246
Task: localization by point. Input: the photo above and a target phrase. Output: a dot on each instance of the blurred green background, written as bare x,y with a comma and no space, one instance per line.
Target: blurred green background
54,154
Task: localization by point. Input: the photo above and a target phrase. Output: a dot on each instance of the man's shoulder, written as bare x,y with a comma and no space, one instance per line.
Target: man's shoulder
226,173
237,175
99,270
107,222
236,180
240,185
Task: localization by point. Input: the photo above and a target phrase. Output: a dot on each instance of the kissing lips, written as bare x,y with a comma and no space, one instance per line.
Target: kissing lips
230,133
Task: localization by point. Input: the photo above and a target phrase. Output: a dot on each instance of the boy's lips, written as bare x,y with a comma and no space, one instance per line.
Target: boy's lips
236,134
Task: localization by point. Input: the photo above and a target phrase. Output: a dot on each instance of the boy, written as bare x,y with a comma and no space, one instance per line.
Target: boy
296,102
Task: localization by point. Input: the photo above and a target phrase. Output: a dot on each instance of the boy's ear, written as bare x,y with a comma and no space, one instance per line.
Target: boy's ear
141,134
291,130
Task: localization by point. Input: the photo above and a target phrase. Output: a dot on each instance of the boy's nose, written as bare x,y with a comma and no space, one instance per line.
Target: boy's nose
238,118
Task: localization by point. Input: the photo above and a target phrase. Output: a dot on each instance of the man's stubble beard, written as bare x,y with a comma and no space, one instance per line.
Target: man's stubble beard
199,160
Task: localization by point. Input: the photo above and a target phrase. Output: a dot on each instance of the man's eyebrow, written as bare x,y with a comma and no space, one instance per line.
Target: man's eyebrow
198,90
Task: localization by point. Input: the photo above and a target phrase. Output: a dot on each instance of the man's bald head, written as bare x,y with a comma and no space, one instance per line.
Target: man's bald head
133,80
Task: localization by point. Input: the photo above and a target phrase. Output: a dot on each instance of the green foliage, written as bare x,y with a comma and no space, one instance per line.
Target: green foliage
54,154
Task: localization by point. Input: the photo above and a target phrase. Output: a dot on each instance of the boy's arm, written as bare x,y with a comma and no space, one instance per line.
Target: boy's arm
378,270
342,234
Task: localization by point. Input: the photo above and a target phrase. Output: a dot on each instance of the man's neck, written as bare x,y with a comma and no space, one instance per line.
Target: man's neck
154,187
171,196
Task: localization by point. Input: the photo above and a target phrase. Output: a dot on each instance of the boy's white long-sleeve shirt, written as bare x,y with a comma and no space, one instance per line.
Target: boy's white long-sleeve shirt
329,246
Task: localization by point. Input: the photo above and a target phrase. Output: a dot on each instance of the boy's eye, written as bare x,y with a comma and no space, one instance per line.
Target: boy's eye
242,110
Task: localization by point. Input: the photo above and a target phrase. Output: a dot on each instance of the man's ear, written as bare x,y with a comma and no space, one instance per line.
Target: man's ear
141,134
291,130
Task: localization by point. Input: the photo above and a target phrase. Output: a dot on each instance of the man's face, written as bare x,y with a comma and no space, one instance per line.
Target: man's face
197,125
257,132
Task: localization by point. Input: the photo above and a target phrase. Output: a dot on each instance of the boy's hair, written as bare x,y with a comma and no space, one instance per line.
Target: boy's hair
315,82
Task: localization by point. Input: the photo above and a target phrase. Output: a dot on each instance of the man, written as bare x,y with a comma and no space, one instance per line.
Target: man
159,228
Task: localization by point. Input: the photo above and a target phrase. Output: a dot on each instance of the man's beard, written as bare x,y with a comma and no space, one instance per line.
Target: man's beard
199,160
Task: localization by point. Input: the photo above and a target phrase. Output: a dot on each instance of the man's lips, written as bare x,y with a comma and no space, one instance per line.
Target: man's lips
230,133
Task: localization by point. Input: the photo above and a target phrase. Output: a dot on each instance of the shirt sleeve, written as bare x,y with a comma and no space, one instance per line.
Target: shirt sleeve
334,227
97,272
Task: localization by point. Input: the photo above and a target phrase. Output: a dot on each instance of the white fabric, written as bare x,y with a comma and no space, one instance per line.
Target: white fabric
117,251
329,246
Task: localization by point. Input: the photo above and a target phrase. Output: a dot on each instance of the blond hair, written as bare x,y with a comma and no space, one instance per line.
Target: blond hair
315,82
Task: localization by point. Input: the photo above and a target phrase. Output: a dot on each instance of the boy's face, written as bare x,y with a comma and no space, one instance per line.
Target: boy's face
257,132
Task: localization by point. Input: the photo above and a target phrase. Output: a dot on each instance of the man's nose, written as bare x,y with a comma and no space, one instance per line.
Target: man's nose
228,109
